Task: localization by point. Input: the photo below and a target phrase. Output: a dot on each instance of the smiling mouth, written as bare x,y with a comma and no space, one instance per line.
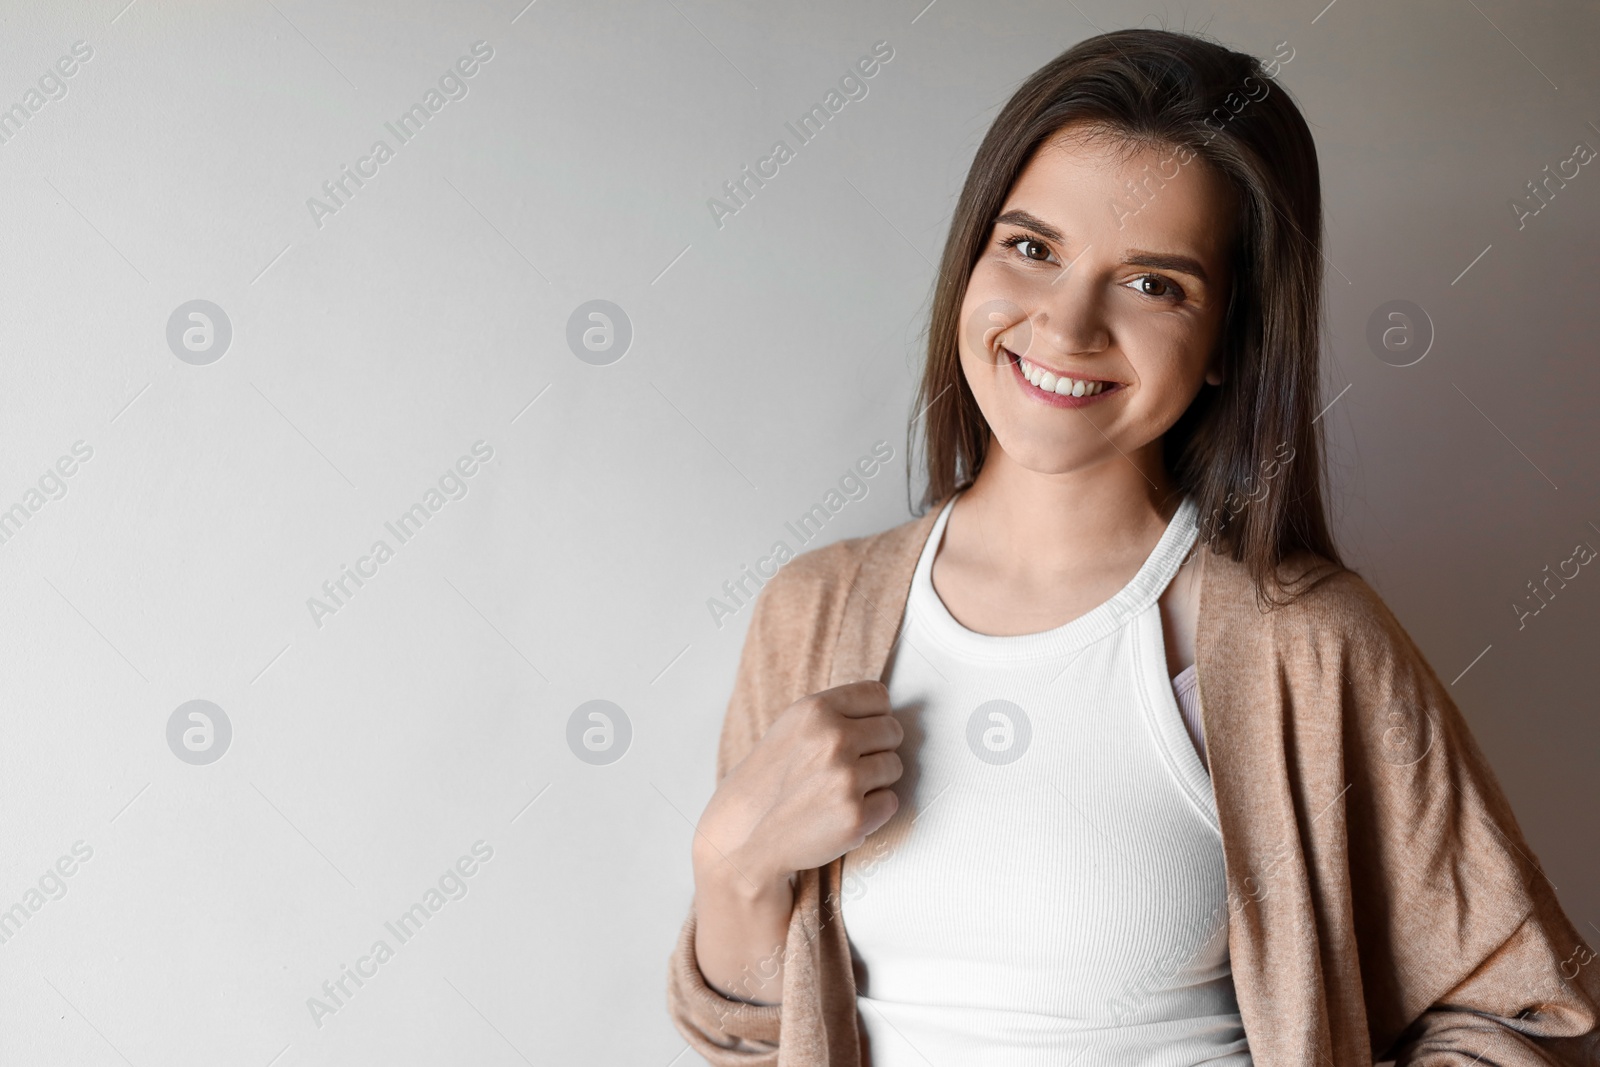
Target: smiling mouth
1063,387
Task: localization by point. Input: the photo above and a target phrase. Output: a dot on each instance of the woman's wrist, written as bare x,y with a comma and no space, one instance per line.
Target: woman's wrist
739,875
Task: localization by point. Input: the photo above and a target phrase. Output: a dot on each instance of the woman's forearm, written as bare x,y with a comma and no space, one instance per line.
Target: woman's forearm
741,927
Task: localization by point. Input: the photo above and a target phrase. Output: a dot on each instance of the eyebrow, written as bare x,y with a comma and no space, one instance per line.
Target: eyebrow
1136,257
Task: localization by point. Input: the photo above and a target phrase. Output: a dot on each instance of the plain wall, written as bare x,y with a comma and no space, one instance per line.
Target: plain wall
373,346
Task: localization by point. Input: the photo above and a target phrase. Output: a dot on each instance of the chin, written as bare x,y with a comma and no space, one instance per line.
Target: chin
1053,454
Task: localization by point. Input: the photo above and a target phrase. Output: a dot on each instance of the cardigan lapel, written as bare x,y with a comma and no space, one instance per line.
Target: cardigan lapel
819,989
876,604
1269,777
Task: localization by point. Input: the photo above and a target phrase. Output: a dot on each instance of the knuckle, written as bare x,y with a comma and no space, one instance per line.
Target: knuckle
858,825
812,716
846,805
809,707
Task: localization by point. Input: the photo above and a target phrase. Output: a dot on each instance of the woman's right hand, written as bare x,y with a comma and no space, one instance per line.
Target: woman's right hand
811,789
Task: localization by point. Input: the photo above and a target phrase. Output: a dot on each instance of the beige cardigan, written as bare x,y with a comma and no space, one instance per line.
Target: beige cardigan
1383,902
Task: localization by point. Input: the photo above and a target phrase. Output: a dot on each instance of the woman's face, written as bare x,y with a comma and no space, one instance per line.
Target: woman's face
1081,278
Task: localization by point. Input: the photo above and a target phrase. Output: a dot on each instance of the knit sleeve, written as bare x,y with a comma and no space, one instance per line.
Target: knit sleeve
1466,954
726,1032
1471,1025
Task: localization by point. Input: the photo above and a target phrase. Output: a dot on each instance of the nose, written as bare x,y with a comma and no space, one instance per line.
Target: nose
1068,318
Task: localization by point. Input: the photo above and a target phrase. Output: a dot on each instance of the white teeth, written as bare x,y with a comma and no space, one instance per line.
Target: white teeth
1060,386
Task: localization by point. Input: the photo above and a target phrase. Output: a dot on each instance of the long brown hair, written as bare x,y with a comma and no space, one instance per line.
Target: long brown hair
1167,90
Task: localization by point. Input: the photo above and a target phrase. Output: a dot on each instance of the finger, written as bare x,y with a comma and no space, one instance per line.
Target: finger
878,770
874,733
857,699
879,807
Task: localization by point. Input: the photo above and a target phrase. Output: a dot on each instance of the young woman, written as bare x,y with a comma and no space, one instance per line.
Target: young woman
1107,757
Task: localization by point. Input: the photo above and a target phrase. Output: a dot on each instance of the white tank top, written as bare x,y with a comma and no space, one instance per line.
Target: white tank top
1052,886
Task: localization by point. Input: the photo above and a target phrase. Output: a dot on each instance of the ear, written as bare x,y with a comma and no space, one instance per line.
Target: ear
1213,375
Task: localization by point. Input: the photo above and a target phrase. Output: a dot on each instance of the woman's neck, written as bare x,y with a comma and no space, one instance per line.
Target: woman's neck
1024,552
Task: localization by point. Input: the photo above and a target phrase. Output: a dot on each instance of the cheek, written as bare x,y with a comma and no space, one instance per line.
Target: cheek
1163,350
993,288
1169,376
981,376
995,311
998,400
991,279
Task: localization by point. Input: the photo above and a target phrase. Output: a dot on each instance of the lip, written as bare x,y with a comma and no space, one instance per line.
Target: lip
1057,399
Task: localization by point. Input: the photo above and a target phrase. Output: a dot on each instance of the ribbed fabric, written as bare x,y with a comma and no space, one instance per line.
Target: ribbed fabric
1186,686
1052,885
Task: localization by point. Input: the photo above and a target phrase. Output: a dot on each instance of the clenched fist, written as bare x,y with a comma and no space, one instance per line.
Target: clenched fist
812,789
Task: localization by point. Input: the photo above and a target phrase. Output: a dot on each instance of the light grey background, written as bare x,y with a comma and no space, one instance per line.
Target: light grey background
431,711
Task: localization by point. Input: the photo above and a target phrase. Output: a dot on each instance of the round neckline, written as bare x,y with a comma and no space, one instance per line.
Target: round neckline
1141,592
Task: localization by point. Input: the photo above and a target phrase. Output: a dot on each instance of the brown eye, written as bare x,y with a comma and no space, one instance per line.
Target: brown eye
1028,247
1154,285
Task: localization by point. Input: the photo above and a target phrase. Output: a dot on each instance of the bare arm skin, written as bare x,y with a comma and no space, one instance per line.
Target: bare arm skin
811,790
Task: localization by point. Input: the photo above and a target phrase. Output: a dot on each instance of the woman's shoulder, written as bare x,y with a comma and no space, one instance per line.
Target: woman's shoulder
1313,604
835,567
1338,659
